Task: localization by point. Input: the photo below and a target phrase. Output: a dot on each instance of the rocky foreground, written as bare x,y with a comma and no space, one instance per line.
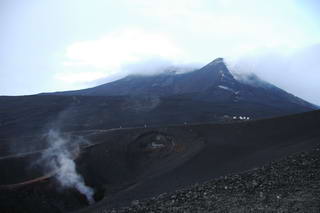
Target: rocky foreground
288,185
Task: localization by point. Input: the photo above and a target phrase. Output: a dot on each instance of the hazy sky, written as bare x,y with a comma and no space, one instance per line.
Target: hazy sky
50,45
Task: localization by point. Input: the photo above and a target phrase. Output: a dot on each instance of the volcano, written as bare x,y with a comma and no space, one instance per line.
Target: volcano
211,94
212,83
149,135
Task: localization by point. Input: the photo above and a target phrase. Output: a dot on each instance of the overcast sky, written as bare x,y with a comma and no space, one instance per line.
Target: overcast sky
51,45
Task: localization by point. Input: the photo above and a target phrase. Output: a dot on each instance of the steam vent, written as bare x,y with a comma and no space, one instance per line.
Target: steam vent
115,160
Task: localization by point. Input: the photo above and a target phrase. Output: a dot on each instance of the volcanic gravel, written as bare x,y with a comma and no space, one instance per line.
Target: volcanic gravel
288,185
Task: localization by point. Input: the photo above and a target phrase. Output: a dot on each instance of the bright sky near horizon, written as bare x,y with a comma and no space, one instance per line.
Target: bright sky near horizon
51,45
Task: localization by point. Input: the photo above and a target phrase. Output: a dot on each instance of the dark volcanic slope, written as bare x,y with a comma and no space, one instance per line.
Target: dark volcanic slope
210,94
288,185
130,164
31,115
219,150
212,83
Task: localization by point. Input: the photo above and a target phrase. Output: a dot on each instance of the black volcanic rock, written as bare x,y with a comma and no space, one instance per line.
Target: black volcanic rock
288,185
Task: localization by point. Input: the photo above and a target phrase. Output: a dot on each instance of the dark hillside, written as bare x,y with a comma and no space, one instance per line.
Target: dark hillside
137,163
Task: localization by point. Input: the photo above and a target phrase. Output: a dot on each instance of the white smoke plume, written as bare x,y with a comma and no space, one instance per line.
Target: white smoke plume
60,157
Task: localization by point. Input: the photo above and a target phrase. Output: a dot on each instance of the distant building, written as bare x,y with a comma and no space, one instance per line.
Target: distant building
241,118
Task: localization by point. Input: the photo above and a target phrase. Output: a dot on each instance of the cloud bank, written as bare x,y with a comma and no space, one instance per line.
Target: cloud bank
294,70
113,52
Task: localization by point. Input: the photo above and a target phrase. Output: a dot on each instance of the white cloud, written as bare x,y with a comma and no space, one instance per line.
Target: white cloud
231,27
118,48
79,77
294,69
109,55
205,30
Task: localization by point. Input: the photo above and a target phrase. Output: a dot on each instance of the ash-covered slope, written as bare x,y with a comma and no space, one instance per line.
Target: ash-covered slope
133,164
221,150
212,83
30,115
288,185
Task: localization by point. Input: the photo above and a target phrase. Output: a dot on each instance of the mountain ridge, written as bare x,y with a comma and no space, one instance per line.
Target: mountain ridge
211,94
212,78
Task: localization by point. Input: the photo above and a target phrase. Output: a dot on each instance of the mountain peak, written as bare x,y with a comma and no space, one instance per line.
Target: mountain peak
216,64
219,69
216,61
213,82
